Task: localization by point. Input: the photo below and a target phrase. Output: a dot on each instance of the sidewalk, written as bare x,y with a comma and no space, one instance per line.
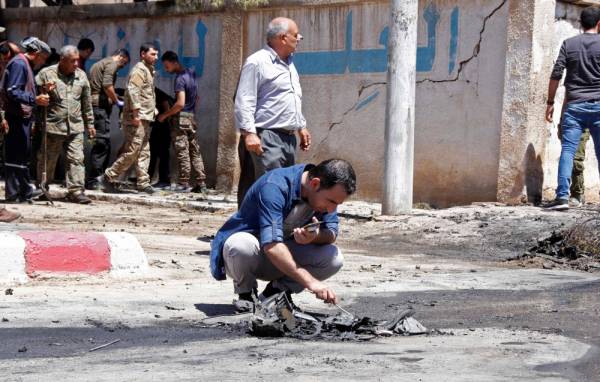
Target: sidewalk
212,202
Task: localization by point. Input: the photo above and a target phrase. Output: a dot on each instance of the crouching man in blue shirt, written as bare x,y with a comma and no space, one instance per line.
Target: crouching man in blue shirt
267,238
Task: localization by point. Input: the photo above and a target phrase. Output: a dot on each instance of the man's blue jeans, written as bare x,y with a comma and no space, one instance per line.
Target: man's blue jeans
576,118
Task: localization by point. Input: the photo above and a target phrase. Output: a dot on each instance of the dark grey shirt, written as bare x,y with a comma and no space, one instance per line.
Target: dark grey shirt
580,55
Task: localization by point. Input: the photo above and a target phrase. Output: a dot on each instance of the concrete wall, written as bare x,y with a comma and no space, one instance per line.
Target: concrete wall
482,76
460,64
196,39
567,25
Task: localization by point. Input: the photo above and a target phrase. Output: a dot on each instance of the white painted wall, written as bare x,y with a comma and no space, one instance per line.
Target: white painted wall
458,120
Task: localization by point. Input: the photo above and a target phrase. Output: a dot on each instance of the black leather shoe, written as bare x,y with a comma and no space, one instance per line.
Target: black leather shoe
109,187
79,198
148,190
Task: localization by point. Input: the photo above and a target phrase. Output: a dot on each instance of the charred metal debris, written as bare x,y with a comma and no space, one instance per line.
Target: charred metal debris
278,317
577,247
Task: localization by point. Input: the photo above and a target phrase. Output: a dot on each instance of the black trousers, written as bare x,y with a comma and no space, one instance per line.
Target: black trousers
246,171
160,143
100,152
17,151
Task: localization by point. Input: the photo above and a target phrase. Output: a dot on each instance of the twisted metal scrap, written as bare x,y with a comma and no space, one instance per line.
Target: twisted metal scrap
277,317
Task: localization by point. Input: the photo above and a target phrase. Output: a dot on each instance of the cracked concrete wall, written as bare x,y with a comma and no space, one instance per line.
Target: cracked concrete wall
197,39
227,165
460,76
481,80
524,132
566,25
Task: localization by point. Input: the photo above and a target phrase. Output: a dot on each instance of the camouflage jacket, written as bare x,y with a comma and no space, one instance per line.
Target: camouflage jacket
139,93
70,109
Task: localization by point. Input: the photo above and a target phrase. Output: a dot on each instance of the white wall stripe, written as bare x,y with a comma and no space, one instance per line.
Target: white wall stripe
127,258
12,259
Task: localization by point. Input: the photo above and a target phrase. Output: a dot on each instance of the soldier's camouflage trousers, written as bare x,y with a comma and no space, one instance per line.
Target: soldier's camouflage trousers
136,150
577,179
187,149
72,145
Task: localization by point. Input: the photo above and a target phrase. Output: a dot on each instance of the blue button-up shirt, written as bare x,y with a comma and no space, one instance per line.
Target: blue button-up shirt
266,205
269,94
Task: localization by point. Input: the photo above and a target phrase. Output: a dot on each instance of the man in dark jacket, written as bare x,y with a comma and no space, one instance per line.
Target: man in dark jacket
18,95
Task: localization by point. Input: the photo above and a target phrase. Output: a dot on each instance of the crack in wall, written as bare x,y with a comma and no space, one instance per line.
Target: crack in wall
476,49
344,114
461,66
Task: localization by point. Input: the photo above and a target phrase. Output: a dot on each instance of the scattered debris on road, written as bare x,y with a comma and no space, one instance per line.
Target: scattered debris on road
173,308
577,247
278,317
105,345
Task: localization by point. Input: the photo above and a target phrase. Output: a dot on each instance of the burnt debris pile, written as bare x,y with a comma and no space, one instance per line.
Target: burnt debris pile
278,317
576,247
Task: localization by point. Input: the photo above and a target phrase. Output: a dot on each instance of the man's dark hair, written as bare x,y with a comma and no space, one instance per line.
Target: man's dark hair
53,58
170,56
590,17
335,171
86,43
145,47
4,49
13,47
122,52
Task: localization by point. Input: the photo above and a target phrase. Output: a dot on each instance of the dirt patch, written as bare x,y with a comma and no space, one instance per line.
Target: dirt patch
577,247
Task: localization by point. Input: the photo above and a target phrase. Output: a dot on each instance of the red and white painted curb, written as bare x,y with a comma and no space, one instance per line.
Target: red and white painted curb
28,254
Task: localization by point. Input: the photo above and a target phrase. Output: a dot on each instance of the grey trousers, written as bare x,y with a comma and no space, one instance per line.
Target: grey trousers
279,151
245,262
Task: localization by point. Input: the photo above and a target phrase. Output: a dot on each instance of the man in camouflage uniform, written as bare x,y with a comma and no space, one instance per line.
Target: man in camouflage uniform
184,132
103,76
69,112
138,112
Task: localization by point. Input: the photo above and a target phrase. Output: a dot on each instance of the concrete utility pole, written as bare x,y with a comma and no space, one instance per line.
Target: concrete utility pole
400,108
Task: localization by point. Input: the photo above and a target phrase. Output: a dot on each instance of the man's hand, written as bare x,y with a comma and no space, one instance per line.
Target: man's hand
305,139
120,103
550,113
136,122
306,235
4,126
253,144
323,292
161,118
91,132
42,100
48,87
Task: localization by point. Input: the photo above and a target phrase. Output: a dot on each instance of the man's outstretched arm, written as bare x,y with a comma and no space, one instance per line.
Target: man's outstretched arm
282,259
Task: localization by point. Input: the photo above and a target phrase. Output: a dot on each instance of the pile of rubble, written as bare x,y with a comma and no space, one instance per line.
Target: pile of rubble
577,247
278,317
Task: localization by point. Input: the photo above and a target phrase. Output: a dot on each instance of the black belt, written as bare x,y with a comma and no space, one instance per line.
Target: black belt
278,131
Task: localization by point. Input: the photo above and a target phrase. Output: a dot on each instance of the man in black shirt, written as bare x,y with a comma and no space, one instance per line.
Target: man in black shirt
160,142
580,56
